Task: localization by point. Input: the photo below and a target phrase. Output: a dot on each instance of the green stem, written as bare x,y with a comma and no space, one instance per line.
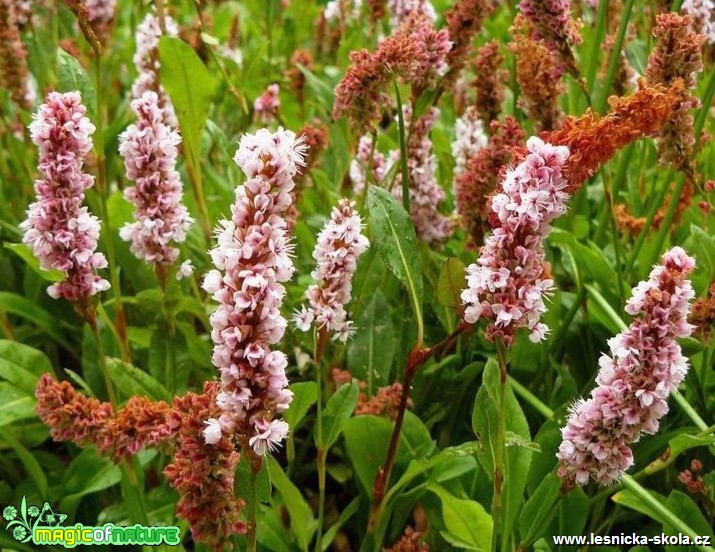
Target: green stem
666,515
320,340
600,34
615,57
704,110
403,149
531,399
690,411
668,219
645,232
498,529
103,363
251,533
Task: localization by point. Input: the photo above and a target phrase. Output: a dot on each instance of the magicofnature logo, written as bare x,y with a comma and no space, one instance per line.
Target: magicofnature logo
32,524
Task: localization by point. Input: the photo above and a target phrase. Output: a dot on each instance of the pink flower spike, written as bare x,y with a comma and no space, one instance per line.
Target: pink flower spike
150,149
252,259
267,105
62,233
644,367
340,243
508,284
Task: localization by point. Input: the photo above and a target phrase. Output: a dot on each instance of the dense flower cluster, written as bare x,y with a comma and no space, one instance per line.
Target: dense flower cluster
100,11
63,234
645,366
296,77
551,22
146,60
252,258
539,76
469,138
489,81
703,313
415,52
71,416
149,149
701,12
266,106
677,55
464,22
593,140
13,57
204,474
477,180
384,403
508,283
401,9
340,243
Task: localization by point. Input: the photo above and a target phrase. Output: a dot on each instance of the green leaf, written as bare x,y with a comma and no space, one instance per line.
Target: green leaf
305,395
451,283
302,522
688,511
29,462
485,423
131,381
20,306
339,408
589,258
349,511
366,440
467,523
684,442
72,76
629,499
22,365
191,88
703,247
539,510
372,350
243,475
15,404
24,251
396,241
88,473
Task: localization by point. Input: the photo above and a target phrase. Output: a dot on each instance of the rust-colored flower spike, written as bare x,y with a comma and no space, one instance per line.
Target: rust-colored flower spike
538,73
702,314
551,22
489,81
140,423
416,53
204,474
592,140
295,76
316,139
477,182
677,55
13,57
378,10
464,22
71,416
